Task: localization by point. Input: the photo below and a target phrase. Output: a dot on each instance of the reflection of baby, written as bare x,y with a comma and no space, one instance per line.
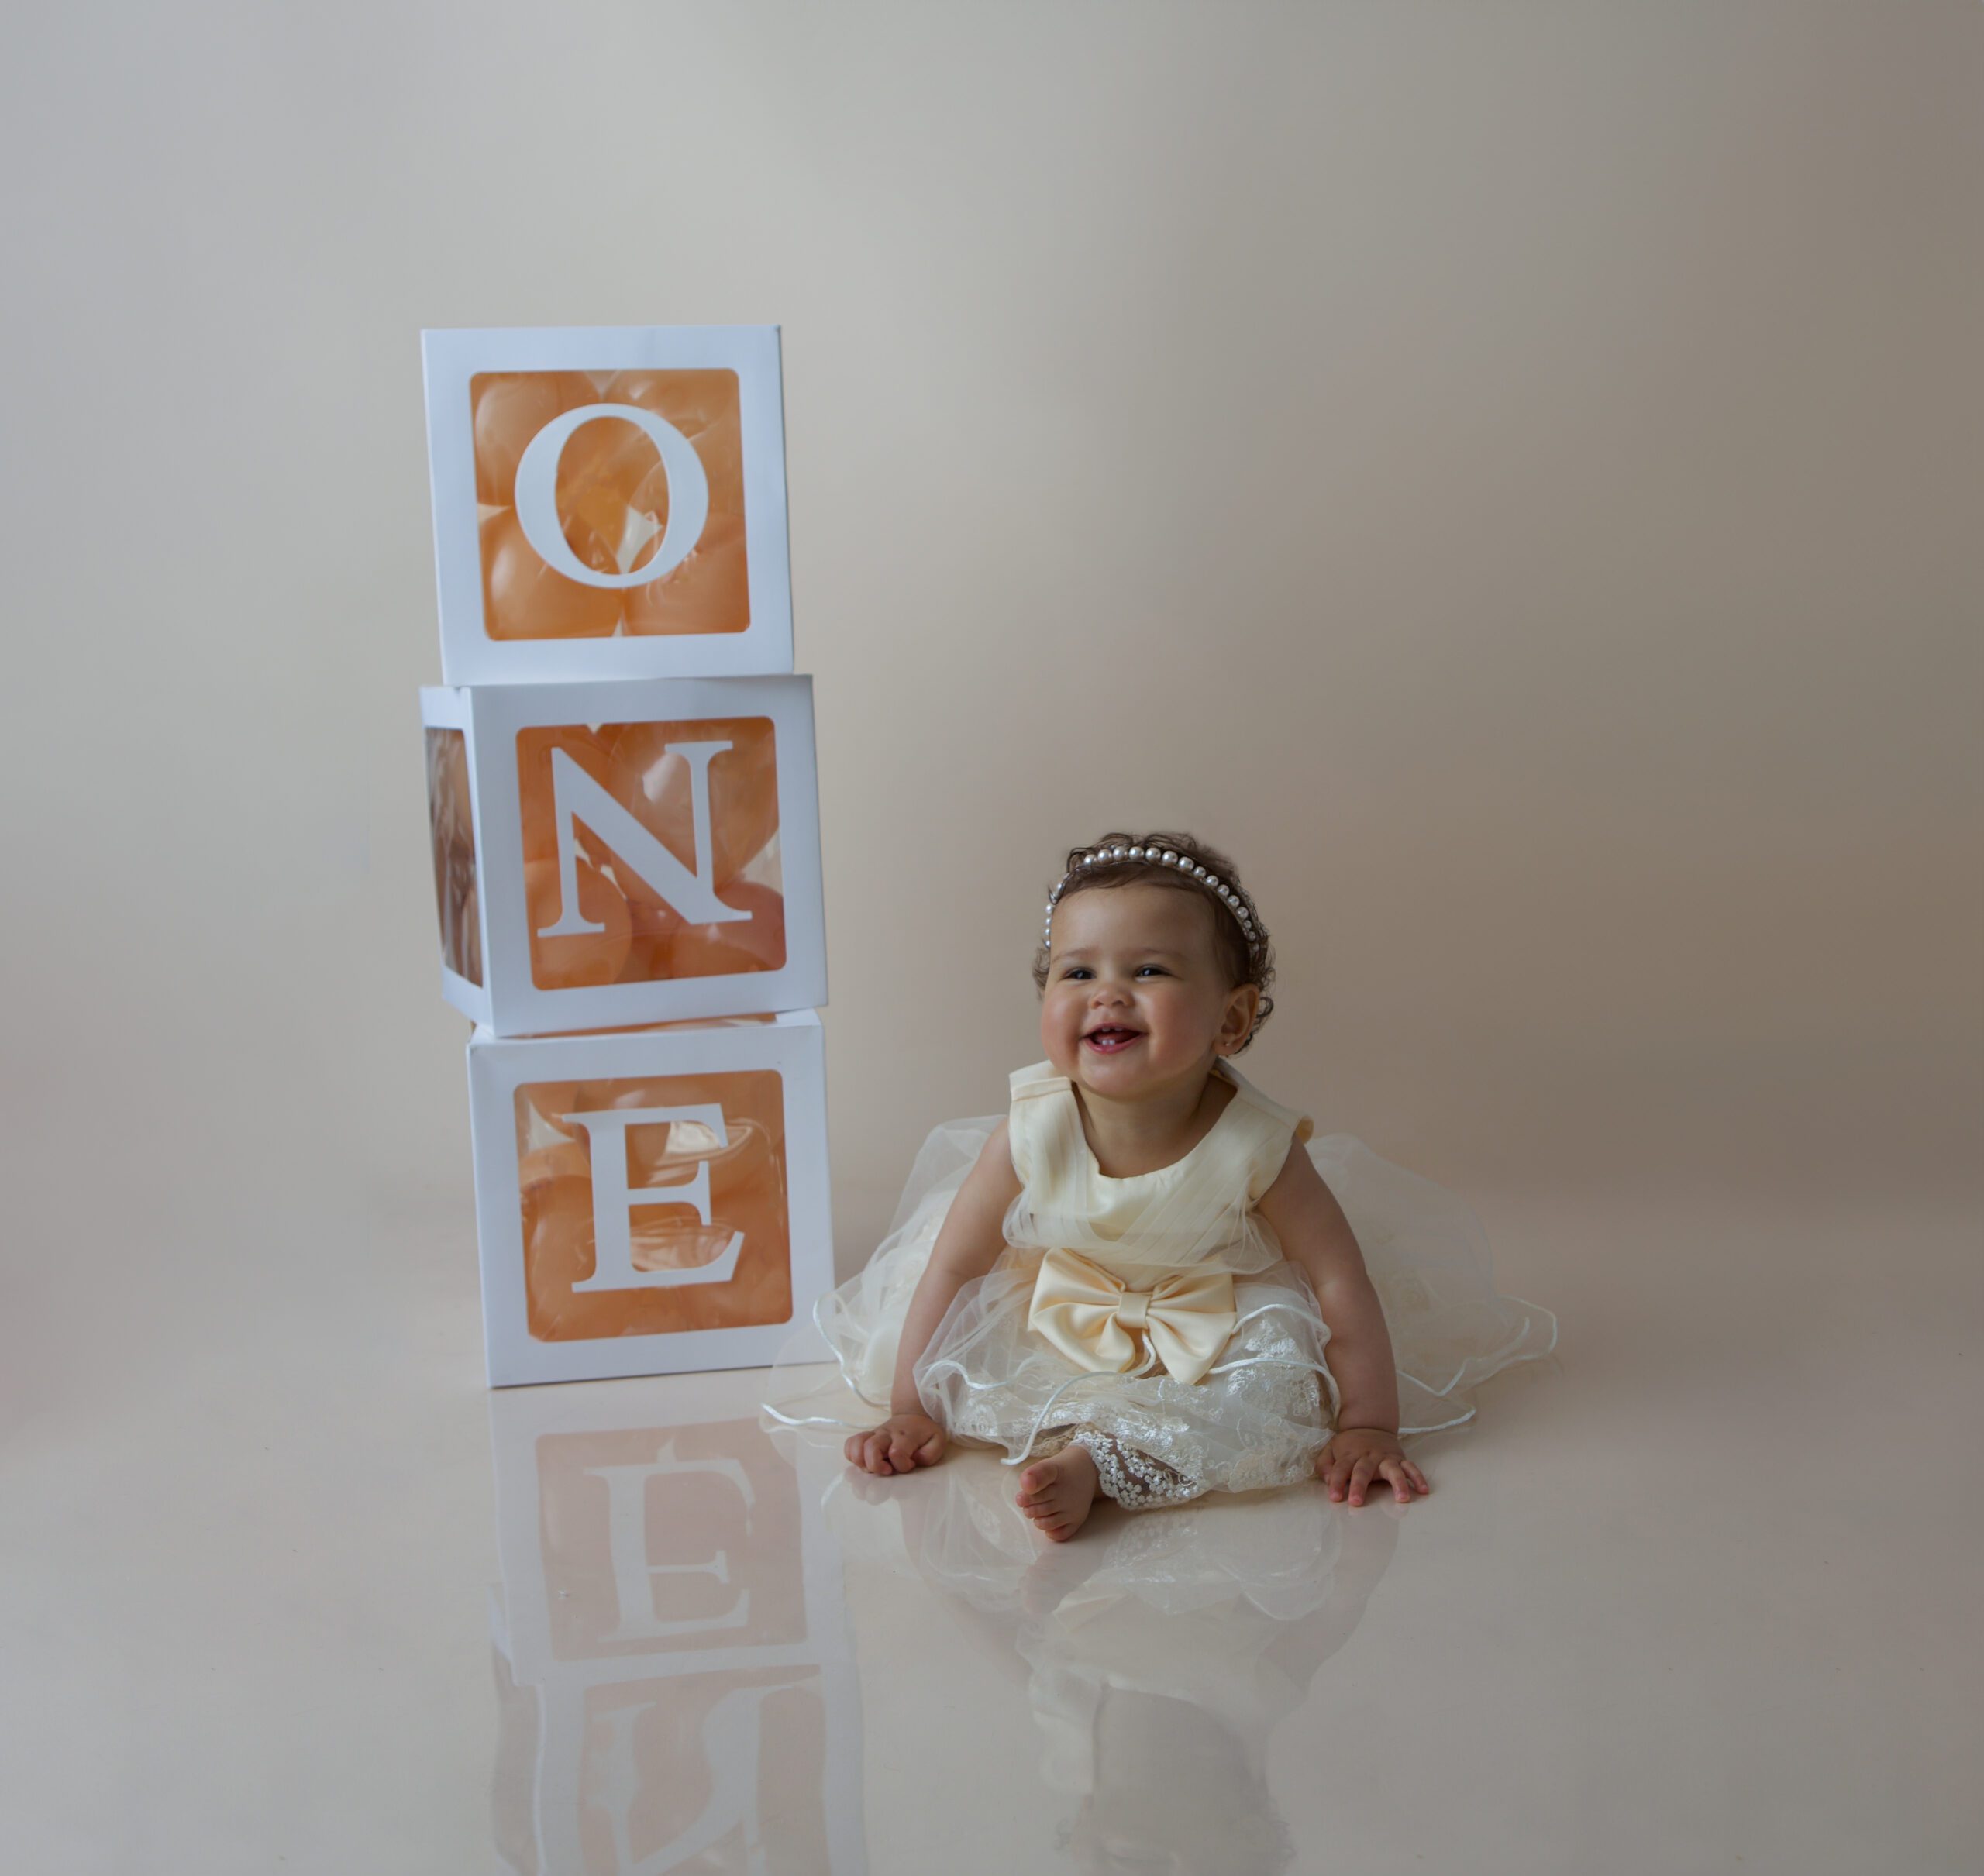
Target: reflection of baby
1129,1281
1160,1660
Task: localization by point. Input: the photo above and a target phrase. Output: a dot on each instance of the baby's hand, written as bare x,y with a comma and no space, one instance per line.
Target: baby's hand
902,1442
1357,1455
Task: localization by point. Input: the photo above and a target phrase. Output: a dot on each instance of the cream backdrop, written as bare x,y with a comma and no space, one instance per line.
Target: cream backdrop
1509,472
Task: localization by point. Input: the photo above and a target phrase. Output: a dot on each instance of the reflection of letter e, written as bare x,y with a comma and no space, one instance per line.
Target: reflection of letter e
634,1574
537,494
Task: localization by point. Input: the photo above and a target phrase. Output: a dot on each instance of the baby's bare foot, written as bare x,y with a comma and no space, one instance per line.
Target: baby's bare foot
1059,1493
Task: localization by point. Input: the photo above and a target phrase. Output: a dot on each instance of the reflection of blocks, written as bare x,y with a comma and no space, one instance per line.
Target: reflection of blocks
649,1200
609,503
632,1549
613,854
677,1687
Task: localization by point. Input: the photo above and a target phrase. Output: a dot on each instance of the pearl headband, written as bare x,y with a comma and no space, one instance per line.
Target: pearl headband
1156,857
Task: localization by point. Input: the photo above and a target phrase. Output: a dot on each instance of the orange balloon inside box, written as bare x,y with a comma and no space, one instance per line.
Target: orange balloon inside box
655,773
611,500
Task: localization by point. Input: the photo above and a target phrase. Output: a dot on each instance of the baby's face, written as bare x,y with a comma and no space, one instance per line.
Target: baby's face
1136,1003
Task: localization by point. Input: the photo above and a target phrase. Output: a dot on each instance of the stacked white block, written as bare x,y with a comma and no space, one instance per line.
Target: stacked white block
609,501
645,851
624,803
649,1200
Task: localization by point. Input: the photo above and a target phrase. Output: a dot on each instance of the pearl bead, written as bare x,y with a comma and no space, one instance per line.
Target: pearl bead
1171,859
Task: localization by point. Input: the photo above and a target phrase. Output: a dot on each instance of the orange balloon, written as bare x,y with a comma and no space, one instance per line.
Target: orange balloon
509,408
548,1101
612,495
567,962
656,924
567,1160
523,598
757,944
655,921
447,806
468,926
560,1252
659,1156
702,405
749,1097
709,591
743,782
650,960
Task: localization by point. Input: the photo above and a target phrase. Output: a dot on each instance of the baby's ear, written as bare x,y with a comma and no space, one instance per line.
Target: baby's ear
1242,1008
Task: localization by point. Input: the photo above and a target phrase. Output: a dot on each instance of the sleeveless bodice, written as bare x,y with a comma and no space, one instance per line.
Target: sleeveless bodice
1198,1208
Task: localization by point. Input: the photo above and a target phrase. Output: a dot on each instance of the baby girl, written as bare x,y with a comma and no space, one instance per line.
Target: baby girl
1145,1283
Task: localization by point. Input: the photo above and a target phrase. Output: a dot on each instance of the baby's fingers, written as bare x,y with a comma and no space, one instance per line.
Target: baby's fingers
1360,1477
1399,1472
932,1449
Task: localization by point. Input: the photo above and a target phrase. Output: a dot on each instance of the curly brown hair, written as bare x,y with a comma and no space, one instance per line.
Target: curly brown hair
1242,961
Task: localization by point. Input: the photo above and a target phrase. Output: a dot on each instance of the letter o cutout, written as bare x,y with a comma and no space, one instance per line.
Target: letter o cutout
537,494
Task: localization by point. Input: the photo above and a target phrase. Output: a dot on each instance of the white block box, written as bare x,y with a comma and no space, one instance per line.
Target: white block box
608,502
616,854
649,1201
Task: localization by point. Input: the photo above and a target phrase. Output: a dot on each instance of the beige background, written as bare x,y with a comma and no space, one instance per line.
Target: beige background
1506,473
1510,474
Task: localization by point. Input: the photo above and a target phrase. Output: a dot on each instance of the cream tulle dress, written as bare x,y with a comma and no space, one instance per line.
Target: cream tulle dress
1155,1319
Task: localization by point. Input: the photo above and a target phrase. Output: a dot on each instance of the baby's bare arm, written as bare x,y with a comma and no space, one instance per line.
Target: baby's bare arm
968,1244
1315,1234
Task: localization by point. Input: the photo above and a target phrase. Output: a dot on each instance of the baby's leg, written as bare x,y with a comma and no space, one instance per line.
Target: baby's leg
1058,1490
1136,1479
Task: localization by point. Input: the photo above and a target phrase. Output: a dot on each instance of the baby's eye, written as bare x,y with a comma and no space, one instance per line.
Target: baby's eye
1158,968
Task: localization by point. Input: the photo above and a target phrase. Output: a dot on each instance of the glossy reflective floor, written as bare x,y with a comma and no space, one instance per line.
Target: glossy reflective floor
285,1589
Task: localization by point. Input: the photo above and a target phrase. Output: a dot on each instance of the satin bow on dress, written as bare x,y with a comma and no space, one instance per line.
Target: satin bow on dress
1096,1320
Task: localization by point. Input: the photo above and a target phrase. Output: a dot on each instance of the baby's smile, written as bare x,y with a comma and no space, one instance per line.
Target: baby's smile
1111,1039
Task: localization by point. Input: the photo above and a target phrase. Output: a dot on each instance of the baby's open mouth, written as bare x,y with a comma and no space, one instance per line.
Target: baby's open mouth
1110,1040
